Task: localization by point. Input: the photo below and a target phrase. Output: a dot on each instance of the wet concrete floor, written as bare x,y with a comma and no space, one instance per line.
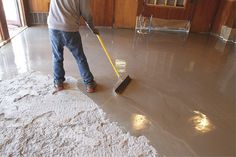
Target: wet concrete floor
182,96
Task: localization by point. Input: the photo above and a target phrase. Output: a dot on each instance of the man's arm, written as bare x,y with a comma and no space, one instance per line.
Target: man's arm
85,11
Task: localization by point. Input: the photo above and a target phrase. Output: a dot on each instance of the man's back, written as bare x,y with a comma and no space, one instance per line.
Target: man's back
65,14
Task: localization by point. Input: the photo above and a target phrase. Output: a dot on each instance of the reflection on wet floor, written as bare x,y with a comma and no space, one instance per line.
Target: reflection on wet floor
140,122
120,65
201,122
182,97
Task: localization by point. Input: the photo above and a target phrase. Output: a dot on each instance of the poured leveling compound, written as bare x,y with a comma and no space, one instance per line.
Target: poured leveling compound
35,122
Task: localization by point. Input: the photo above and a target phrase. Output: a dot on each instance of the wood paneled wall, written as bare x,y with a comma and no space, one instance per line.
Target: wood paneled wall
125,13
204,15
39,6
103,10
226,15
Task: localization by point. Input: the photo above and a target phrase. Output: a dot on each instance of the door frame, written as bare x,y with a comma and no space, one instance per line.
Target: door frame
3,24
23,10
18,21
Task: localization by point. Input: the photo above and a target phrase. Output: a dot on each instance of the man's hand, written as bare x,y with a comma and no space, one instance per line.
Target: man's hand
95,31
92,28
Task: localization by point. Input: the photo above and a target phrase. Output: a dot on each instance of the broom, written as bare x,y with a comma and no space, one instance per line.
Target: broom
122,83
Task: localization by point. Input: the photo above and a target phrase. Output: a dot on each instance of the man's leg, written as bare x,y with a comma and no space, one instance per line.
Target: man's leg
57,51
74,44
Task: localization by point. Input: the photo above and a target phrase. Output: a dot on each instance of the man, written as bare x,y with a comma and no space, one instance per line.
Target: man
63,23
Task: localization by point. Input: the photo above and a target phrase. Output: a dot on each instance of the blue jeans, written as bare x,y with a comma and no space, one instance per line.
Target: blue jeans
72,40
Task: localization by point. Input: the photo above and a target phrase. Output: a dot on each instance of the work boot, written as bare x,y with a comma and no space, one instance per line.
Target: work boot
59,86
91,87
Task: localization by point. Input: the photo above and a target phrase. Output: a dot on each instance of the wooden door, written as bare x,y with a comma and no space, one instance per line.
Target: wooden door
125,13
103,12
204,15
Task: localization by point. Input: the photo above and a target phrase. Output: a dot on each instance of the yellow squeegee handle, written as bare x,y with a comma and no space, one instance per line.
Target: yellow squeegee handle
108,56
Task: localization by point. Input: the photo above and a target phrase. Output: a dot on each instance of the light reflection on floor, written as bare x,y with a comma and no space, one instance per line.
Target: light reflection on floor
201,122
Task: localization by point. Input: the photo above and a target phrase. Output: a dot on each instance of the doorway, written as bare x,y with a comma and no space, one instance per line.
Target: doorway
14,18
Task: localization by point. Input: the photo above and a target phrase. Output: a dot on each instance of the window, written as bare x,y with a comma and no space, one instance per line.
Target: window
175,3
